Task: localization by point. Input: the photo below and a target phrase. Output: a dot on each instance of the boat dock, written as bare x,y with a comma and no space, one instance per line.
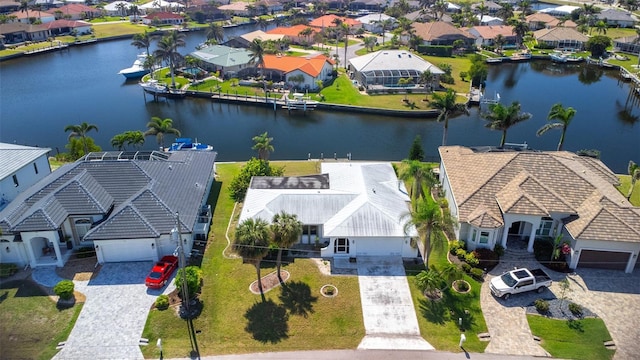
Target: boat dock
299,101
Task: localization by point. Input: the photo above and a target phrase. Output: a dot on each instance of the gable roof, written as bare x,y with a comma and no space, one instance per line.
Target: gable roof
393,60
14,157
614,15
361,200
64,23
439,30
579,189
77,9
309,65
140,202
259,34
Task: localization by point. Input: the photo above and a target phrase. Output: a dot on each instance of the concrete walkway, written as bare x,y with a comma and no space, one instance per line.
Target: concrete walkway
390,320
112,319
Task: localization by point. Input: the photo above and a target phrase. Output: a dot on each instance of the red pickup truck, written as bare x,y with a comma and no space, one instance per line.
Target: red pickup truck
161,272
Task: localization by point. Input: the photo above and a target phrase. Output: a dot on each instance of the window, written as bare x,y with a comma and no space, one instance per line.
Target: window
484,237
473,237
341,246
82,227
311,230
545,227
15,181
35,167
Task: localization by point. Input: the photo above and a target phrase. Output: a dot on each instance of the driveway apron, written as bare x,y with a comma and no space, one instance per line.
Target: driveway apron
387,307
112,319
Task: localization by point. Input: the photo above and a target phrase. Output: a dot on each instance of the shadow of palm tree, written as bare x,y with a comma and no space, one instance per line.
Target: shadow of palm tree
267,322
433,311
296,297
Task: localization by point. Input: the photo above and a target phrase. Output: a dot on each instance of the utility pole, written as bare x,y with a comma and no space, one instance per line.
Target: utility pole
181,260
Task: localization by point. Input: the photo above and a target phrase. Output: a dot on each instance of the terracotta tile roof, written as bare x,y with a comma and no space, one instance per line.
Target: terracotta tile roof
560,34
539,17
438,30
32,14
491,31
309,65
77,9
63,23
292,31
327,21
486,184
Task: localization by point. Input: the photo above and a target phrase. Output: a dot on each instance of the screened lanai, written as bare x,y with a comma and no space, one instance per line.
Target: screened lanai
389,78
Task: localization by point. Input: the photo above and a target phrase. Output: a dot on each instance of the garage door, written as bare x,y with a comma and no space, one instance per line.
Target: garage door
604,259
126,251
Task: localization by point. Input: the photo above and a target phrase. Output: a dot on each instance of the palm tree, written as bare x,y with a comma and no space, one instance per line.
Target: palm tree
370,43
257,49
24,7
427,218
135,138
346,30
502,117
159,127
262,144
447,105
119,141
420,173
252,243
564,117
168,51
81,132
499,42
634,172
286,229
384,26
142,41
306,32
214,33
520,29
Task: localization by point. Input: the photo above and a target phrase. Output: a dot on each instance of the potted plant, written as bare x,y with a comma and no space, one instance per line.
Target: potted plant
69,242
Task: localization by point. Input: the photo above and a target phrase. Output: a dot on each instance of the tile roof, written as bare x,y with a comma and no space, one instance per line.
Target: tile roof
259,34
64,23
491,31
311,65
327,21
486,184
560,34
438,30
291,31
14,157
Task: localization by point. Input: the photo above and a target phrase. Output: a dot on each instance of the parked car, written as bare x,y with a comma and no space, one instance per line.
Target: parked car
518,281
161,272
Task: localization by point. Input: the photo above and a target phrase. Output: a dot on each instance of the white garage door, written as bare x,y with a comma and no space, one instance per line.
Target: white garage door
126,250
379,247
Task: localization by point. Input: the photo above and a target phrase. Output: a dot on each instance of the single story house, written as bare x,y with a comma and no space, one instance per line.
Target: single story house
161,5
385,68
560,11
77,12
22,17
64,27
239,8
8,6
230,62
352,209
489,20
308,69
502,196
537,21
20,167
428,16
441,33
272,6
292,33
163,18
116,8
17,32
122,204
485,35
628,44
616,18
373,22
491,7
328,21
561,38
245,40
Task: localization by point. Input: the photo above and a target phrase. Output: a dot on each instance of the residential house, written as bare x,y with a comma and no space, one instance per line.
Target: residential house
123,205
230,62
298,72
373,22
616,18
492,8
383,69
485,35
292,33
510,197
426,16
8,6
245,40
560,11
238,8
32,16
561,38
351,209
65,27
161,5
272,6
537,21
77,12
163,18
368,5
329,21
20,167
489,20
15,33
441,33
116,8
628,44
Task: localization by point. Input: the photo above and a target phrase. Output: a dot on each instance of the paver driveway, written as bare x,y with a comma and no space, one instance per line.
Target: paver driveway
390,320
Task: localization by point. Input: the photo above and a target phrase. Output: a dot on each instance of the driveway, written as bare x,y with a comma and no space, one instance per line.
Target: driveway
390,320
112,319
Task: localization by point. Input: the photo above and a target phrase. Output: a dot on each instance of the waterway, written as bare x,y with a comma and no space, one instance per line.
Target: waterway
40,95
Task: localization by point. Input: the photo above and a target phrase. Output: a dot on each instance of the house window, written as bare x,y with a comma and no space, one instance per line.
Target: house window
15,181
545,227
341,246
473,237
35,167
484,237
82,227
311,230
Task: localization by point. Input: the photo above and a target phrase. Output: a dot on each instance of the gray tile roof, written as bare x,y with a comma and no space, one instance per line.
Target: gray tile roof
144,196
14,157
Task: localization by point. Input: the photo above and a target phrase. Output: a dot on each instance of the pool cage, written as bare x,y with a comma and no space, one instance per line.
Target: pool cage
388,78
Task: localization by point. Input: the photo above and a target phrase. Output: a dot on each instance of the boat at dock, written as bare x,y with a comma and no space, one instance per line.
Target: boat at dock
299,102
136,70
561,57
186,144
522,56
156,88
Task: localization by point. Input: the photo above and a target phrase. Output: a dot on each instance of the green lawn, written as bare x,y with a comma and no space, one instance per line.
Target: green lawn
581,339
30,323
625,182
233,317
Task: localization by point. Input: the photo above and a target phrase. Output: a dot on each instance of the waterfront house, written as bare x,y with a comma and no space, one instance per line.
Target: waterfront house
271,6
488,20
161,5
298,72
121,204
537,21
8,6
628,44
373,22
560,11
66,27
329,21
485,35
616,18
238,8
561,38
441,33
77,12
162,18
34,15
292,33
351,209
230,62
511,197
17,32
20,167
491,7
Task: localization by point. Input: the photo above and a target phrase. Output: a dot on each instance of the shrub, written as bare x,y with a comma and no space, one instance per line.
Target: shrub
486,257
499,250
461,253
575,309
443,203
462,285
194,280
466,268
254,167
85,252
64,289
542,249
8,269
476,273
471,259
541,305
162,302
454,246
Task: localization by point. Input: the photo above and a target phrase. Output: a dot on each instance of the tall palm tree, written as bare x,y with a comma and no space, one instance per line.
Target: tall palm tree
286,229
135,138
520,29
119,142
252,243
158,127
502,117
346,30
262,144
214,33
168,51
448,106
564,117
306,32
634,172
427,217
81,131
257,49
420,174
24,7
142,41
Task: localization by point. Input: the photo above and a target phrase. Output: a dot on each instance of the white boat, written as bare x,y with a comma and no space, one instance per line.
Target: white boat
558,57
182,144
136,70
522,56
299,102
152,86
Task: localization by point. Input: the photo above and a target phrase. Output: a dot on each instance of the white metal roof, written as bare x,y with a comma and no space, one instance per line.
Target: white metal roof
14,157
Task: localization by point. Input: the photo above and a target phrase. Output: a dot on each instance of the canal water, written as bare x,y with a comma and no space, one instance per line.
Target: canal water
40,95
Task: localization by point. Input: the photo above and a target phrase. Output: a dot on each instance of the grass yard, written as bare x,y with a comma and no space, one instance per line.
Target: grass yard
30,323
117,29
237,321
625,183
581,339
